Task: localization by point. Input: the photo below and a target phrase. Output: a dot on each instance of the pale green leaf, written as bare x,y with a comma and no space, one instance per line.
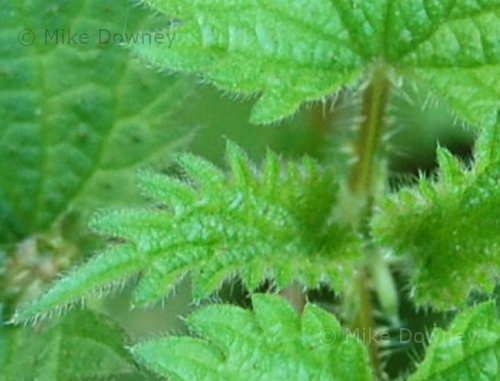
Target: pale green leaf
270,224
468,351
449,227
74,117
271,343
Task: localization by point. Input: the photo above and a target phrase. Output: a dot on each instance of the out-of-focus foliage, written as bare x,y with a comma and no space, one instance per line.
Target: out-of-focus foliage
74,117
82,346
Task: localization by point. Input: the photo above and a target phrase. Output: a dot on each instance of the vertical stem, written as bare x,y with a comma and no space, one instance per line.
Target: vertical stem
363,321
362,188
375,101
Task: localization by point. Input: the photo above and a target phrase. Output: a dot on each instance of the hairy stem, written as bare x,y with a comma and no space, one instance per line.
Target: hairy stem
375,101
362,186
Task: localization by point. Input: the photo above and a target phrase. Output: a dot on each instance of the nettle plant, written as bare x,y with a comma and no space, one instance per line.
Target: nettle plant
75,120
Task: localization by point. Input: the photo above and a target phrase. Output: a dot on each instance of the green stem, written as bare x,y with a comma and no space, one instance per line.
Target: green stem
362,187
363,323
375,101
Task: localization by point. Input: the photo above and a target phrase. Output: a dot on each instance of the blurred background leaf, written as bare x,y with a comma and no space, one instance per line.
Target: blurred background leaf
72,113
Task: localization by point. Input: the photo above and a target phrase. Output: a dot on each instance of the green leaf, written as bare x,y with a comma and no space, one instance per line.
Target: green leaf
452,47
269,224
449,227
295,51
289,51
75,117
271,343
468,351
82,346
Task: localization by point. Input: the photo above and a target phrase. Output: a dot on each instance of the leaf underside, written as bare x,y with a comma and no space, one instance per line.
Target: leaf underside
271,343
